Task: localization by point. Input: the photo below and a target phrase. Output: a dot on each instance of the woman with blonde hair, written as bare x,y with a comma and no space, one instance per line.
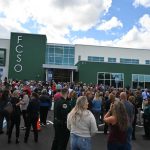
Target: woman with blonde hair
82,125
116,117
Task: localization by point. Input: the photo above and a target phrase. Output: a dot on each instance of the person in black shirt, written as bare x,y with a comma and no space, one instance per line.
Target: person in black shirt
61,110
146,117
45,105
33,110
15,116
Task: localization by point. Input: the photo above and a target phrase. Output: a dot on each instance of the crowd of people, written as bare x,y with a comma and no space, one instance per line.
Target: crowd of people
79,111
22,99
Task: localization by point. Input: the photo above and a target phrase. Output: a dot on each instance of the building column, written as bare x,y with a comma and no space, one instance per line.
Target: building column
71,76
46,71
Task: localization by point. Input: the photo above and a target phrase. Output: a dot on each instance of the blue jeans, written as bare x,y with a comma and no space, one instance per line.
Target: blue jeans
116,146
80,143
129,138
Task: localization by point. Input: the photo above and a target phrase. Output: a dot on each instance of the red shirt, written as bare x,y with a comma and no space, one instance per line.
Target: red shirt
57,96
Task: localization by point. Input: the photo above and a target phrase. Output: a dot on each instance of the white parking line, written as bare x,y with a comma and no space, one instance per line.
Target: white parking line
139,126
4,123
49,122
100,132
100,125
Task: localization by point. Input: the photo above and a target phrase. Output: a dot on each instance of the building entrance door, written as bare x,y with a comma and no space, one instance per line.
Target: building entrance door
61,75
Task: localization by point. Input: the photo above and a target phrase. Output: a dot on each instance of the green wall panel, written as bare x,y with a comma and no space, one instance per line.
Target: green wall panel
27,55
88,70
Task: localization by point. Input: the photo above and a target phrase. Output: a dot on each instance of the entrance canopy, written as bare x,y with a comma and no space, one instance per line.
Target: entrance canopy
46,66
63,73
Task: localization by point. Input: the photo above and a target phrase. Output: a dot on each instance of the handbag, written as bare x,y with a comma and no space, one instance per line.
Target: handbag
8,108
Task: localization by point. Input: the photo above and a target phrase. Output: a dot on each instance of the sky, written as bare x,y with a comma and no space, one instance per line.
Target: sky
116,23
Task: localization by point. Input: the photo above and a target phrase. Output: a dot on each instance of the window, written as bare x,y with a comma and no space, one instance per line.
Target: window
71,61
51,59
111,79
140,80
2,57
58,50
79,58
66,51
71,52
58,60
95,59
60,55
111,60
129,61
147,62
134,61
101,59
65,61
51,50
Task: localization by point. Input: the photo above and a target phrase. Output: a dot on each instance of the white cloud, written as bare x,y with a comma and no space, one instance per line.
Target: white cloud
108,25
145,22
57,18
145,3
137,37
86,41
92,41
54,16
4,33
9,25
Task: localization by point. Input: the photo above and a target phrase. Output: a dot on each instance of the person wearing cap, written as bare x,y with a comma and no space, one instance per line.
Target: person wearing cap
61,110
58,94
58,86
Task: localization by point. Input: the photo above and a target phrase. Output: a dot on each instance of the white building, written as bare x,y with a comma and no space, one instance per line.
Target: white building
4,57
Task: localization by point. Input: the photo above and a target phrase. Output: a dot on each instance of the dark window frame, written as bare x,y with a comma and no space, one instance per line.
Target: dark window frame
4,62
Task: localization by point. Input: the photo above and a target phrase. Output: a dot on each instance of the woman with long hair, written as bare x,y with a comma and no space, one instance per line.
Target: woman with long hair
82,125
73,96
116,117
108,102
96,107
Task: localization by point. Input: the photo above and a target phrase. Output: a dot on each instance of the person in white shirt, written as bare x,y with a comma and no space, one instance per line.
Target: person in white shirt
23,107
82,125
145,95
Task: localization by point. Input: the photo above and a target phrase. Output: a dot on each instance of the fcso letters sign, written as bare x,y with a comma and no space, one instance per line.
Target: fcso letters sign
19,50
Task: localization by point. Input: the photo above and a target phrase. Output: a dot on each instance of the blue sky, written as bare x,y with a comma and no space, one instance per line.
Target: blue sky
119,23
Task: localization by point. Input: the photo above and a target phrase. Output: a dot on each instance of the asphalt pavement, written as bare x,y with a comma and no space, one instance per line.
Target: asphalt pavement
99,141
